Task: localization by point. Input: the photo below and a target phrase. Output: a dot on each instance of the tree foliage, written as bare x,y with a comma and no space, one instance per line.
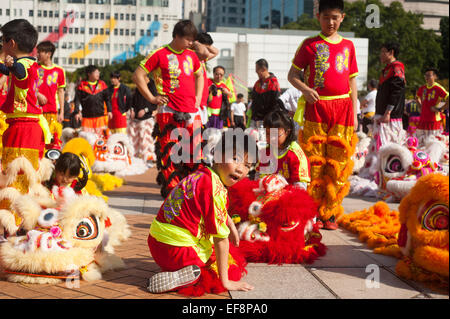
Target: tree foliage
126,70
419,48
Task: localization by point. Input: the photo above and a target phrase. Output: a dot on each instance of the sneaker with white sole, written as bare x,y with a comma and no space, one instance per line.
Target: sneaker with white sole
167,281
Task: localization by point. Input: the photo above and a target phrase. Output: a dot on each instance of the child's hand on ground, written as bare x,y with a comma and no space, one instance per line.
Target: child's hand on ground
237,286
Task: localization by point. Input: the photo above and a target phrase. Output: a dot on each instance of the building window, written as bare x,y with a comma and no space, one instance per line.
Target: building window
44,29
70,61
81,61
142,33
57,14
76,30
127,17
115,31
91,15
39,13
39,28
50,29
121,31
102,16
50,14
127,32
90,30
121,16
165,3
45,13
96,31
102,31
156,17
55,60
30,13
142,17
71,30
107,32
96,15
82,30
116,16
149,17
133,17
155,33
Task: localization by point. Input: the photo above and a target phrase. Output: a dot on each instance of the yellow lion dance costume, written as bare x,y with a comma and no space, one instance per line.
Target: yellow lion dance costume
418,234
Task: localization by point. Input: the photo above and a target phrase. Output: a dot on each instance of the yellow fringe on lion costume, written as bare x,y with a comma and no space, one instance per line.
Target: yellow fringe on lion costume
418,234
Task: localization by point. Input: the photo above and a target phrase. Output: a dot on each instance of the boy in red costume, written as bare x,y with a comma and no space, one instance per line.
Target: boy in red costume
178,76
218,90
24,136
330,115
196,210
52,84
429,96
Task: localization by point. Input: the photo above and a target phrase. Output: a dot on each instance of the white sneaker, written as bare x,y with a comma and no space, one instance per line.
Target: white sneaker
167,281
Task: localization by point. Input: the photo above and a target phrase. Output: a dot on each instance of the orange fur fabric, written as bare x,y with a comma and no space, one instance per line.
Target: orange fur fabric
378,226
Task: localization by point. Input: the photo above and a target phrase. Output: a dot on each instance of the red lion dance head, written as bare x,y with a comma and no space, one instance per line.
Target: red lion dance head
275,221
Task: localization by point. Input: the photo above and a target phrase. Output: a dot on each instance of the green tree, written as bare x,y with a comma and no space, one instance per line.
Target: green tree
419,48
443,64
125,68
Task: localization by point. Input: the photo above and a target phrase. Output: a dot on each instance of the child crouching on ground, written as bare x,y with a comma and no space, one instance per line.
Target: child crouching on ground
67,170
196,210
284,151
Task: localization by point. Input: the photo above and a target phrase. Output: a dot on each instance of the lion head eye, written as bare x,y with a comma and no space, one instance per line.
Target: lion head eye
87,228
434,217
393,165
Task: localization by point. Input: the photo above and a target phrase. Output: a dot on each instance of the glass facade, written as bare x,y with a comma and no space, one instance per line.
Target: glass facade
274,14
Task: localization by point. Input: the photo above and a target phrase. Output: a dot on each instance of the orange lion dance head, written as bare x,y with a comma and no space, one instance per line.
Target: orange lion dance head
423,237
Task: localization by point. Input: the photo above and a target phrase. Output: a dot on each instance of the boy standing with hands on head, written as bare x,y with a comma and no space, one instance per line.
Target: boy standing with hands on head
330,116
27,127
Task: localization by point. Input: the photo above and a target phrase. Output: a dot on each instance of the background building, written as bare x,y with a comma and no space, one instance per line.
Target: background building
97,31
226,13
275,13
240,48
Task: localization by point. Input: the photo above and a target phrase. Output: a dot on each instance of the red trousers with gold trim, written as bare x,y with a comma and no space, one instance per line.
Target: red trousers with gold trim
23,137
329,141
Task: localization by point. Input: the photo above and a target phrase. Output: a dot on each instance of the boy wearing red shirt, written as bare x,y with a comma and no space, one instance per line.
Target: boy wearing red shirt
218,90
178,77
330,93
24,135
52,84
429,96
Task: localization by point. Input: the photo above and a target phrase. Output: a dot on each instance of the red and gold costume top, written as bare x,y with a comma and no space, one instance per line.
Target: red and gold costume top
431,96
194,211
21,100
52,78
174,76
328,64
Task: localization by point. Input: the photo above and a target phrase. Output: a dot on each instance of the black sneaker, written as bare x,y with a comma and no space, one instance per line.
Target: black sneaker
167,281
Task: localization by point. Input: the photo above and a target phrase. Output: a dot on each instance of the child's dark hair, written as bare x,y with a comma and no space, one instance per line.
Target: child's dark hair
331,5
184,28
280,119
89,69
239,143
204,38
22,32
218,67
115,74
434,70
46,46
68,163
262,63
392,46
373,83
240,96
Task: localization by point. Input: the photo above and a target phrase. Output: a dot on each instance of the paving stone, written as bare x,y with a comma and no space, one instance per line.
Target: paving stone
282,283
350,283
